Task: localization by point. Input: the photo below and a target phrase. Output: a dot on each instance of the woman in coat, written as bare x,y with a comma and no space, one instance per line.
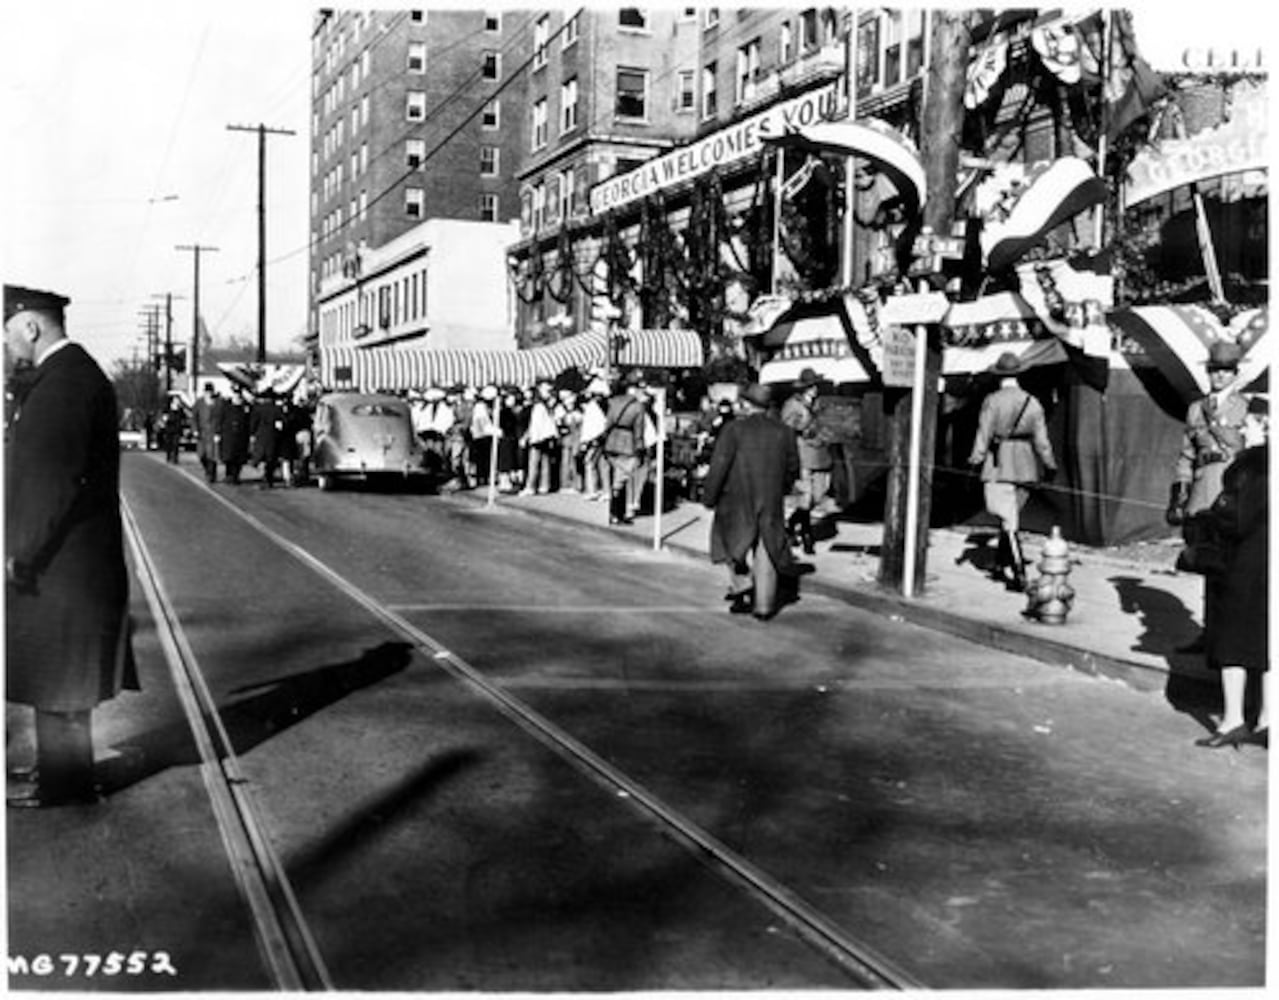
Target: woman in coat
1238,631
754,464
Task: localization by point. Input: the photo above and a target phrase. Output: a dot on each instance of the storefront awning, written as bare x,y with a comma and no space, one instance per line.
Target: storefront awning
816,342
400,369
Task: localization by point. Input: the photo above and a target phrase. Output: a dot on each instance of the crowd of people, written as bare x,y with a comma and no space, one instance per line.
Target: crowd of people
268,429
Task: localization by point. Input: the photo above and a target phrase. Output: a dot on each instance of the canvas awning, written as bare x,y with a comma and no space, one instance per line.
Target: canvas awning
398,369
817,342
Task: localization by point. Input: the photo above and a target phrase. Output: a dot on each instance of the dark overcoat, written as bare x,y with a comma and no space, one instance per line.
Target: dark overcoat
235,432
208,419
66,637
753,466
1239,623
266,430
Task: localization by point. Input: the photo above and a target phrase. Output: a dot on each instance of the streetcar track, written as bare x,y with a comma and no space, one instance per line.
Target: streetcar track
286,943
862,963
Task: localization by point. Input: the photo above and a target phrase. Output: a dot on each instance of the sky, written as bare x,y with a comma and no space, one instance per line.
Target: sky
117,151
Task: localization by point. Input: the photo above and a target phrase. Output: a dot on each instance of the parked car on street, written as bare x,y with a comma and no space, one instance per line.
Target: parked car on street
363,437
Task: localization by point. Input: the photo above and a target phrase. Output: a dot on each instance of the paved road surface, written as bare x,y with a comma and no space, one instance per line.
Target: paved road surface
980,819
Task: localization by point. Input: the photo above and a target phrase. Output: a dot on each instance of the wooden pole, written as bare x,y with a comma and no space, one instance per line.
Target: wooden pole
659,487
912,415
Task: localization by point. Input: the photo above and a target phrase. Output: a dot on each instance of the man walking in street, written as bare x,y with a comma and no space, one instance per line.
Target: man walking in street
66,583
1014,452
754,464
1212,439
233,431
623,440
207,415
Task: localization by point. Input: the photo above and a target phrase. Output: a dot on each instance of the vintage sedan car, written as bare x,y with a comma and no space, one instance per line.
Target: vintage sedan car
366,437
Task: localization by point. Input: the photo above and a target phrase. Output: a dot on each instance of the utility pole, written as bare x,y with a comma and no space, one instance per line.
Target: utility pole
943,116
262,132
194,374
168,340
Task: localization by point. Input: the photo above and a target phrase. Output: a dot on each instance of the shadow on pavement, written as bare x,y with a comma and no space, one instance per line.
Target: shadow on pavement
278,705
1166,623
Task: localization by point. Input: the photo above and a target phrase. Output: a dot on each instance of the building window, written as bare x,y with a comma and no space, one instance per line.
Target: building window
355,164
417,16
489,160
491,116
571,29
417,57
541,37
686,97
364,63
539,207
488,208
632,93
364,157
808,29
892,33
633,18
786,50
566,195
539,124
364,204
415,110
710,96
414,202
712,17
747,71
491,68
492,21
568,105
355,118
414,153
916,28
688,14
364,110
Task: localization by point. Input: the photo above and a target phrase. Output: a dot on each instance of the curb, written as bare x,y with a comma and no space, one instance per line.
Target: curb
1139,676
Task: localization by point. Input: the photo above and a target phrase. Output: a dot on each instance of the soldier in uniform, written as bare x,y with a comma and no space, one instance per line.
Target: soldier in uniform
66,583
1213,436
1013,450
799,413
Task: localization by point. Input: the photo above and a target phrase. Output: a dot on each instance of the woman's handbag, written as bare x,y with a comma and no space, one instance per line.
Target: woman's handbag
1207,535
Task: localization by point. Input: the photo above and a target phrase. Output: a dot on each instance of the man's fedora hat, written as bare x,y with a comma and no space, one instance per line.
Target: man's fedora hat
1223,355
1008,364
807,378
758,395
18,299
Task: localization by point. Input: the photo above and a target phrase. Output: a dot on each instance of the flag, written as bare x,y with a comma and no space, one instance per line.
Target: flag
1058,48
1129,86
983,73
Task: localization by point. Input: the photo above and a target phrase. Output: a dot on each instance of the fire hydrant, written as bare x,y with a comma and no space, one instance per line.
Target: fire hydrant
1050,596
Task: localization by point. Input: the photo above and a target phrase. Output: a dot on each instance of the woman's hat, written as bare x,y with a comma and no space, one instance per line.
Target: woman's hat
1008,364
1223,355
489,392
759,395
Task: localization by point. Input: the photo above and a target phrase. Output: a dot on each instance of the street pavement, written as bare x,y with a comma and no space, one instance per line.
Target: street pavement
1126,622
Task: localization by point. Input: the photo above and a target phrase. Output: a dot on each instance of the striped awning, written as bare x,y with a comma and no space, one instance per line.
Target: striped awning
390,368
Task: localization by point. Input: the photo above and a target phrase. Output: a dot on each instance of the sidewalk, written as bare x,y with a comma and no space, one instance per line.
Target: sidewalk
1127,617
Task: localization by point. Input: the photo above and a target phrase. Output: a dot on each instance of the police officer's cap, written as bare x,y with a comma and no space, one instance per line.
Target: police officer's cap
18,299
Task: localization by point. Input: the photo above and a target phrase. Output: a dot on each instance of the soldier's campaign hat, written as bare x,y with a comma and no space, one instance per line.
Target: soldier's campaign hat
1008,364
1223,355
759,395
807,378
18,299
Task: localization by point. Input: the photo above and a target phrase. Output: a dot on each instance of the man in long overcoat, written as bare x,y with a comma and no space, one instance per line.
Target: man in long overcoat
1013,450
207,415
234,425
66,582
752,468
266,433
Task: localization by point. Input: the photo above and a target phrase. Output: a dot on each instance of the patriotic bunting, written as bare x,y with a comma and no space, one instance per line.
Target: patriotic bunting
983,73
1056,192
1058,47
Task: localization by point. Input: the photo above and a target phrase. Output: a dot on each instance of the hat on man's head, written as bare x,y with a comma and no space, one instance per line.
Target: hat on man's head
489,392
807,379
758,395
1223,355
1008,364
18,299
635,377
208,386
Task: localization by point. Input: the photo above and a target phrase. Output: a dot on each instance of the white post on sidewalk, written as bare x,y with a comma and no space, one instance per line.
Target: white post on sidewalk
659,487
913,464
497,426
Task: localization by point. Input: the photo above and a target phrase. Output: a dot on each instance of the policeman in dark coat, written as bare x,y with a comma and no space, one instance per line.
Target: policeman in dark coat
754,464
66,583
207,415
234,433
267,434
